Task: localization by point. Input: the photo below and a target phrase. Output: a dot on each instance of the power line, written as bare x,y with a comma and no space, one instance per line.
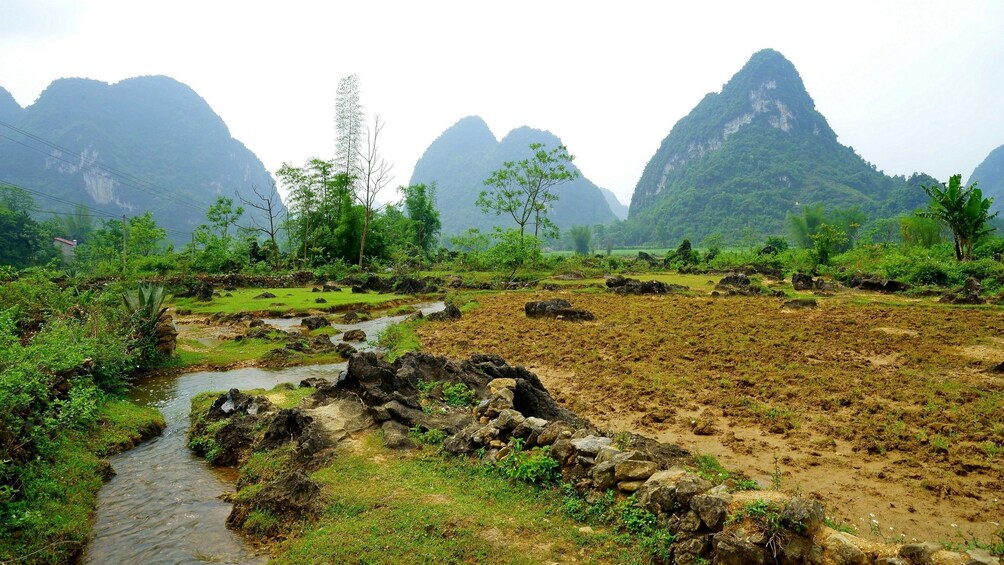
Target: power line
131,179
100,214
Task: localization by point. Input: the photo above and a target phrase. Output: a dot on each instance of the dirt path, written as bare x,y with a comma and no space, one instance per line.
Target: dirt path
886,413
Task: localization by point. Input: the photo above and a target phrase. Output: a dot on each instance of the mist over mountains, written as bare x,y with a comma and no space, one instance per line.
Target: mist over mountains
464,155
145,143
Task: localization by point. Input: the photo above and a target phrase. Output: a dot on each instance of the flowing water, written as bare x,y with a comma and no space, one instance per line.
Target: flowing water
163,504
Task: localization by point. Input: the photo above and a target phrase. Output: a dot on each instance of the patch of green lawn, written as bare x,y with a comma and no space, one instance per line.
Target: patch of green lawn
286,301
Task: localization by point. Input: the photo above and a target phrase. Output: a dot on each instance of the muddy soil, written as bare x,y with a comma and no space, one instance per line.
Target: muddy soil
888,413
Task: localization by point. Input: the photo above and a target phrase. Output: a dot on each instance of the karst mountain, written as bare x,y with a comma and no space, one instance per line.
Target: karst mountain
464,155
145,143
745,157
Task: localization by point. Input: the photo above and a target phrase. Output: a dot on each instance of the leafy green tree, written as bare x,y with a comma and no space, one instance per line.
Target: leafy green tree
826,241
582,239
77,225
919,230
222,215
419,202
804,226
964,210
523,190
23,242
144,237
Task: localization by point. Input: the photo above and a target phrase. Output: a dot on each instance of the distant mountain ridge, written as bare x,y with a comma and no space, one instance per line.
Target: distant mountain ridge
747,156
989,176
174,152
464,155
619,209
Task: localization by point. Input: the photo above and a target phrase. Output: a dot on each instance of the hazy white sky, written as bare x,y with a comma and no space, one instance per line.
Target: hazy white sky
912,86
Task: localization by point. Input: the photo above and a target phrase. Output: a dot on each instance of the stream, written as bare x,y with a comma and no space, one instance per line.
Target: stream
163,504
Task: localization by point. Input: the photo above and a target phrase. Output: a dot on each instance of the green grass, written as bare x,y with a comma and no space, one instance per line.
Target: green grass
287,300
52,518
399,339
191,353
387,508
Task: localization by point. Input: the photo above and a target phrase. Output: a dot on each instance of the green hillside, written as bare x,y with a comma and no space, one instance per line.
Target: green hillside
747,156
146,143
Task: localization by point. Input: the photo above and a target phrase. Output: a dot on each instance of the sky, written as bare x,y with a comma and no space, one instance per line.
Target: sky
912,86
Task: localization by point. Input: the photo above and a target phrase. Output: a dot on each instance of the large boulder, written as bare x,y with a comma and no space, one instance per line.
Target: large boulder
314,322
556,308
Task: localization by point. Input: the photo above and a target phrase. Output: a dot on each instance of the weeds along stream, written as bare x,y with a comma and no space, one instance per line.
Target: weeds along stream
163,504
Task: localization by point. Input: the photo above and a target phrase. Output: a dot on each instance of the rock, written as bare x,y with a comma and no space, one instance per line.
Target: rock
354,335
687,522
330,287
165,336
320,300
734,279
556,308
687,551
712,508
507,420
801,281
314,382
344,349
264,295
731,549
236,402
665,491
609,453
803,516
451,312
358,290
920,553
801,550
880,285
551,432
703,427
981,557
603,476
315,289
561,450
630,486
292,497
492,407
634,470
395,435
496,385
287,425
623,285
840,550
590,445
314,322
800,303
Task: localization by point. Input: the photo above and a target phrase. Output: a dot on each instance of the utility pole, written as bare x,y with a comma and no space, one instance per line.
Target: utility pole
123,244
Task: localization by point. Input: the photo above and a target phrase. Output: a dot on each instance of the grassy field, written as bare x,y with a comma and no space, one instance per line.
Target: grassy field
385,507
286,301
858,395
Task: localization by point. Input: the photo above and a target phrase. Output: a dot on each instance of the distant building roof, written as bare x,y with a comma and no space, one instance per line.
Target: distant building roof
64,241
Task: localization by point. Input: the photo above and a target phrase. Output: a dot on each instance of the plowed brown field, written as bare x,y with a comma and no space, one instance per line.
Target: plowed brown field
888,413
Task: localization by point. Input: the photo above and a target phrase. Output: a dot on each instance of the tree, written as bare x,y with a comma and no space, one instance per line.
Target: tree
23,242
419,203
964,210
270,204
804,226
78,225
524,189
348,124
374,174
222,215
144,236
581,239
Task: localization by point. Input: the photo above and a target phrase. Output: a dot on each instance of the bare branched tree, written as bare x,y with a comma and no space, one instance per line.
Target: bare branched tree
373,173
270,204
